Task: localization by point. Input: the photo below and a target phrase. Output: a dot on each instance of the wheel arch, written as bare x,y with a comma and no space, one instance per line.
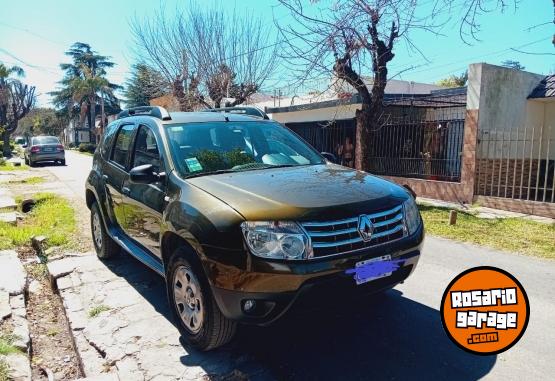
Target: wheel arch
171,241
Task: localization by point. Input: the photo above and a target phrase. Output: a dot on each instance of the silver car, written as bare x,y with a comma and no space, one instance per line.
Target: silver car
44,148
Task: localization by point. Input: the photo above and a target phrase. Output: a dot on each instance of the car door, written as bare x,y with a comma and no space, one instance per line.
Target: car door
116,171
144,203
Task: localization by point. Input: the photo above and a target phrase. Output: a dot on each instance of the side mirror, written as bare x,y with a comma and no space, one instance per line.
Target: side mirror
24,145
144,174
329,157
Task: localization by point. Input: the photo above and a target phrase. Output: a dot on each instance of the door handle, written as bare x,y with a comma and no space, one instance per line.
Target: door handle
125,190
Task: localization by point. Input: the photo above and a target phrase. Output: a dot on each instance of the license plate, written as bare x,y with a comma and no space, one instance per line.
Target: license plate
48,149
374,268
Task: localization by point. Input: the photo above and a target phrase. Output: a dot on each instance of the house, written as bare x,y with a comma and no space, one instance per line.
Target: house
492,141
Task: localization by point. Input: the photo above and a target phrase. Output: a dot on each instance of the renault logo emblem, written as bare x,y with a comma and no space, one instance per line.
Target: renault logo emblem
365,228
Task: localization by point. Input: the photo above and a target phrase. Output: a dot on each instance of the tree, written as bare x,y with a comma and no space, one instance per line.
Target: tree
145,84
41,121
206,55
344,39
512,65
84,85
454,80
16,100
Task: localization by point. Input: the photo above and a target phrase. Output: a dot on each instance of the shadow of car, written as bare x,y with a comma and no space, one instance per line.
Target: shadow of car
384,336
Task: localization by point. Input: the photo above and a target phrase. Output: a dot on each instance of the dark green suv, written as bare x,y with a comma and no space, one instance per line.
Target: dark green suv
244,219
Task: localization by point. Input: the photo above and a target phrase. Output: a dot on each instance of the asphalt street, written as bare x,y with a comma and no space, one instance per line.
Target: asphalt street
397,335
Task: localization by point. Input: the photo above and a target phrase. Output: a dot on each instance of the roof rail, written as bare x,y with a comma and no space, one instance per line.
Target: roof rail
154,111
244,110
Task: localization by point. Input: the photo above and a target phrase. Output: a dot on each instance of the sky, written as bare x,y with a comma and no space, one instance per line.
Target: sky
34,34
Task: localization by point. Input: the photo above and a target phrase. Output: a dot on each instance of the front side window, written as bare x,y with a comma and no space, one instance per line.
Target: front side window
204,148
123,144
146,149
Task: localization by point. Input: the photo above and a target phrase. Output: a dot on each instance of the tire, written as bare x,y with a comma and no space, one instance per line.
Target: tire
31,163
63,162
213,329
104,245
26,160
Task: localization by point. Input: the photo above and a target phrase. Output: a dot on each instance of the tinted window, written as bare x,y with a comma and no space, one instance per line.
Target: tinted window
146,149
123,144
45,140
236,146
107,139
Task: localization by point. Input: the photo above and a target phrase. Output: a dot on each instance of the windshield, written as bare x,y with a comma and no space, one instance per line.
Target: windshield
45,140
203,148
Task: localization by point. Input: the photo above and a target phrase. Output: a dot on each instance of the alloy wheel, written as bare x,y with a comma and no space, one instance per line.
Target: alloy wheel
188,298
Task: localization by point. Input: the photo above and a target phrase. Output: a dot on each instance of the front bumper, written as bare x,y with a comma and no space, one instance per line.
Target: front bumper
312,284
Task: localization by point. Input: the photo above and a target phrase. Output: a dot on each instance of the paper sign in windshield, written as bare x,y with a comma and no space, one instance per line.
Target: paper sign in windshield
193,164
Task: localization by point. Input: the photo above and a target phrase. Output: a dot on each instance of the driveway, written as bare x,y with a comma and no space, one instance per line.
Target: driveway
397,335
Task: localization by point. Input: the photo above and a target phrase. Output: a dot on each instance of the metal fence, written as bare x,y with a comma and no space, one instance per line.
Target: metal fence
419,137
518,164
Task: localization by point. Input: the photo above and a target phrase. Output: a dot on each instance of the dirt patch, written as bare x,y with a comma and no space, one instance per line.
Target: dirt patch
51,339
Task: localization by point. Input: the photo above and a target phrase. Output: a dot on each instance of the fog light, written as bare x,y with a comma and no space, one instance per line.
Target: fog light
249,305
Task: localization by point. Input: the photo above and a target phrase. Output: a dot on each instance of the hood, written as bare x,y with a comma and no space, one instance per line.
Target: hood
302,193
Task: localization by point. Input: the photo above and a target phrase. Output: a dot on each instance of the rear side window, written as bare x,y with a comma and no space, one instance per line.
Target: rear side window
108,139
123,144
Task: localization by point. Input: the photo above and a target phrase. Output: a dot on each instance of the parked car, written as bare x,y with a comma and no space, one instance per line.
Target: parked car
243,219
44,148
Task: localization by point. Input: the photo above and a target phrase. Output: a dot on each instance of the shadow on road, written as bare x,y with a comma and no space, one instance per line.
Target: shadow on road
385,336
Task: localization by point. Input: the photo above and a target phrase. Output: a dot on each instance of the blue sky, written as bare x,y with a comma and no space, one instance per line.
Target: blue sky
35,34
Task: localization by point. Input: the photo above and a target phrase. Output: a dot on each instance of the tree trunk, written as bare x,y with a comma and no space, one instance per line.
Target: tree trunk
6,151
91,125
363,121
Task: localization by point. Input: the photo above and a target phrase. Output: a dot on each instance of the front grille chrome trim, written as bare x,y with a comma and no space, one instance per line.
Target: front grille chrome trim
324,235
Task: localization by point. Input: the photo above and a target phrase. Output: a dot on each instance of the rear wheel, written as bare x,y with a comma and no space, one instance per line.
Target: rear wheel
63,162
31,163
104,245
193,306
26,160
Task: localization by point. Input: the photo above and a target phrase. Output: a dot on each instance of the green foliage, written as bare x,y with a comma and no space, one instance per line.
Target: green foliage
97,310
87,147
84,84
513,65
10,167
6,344
51,217
214,160
42,121
12,146
145,84
512,234
454,80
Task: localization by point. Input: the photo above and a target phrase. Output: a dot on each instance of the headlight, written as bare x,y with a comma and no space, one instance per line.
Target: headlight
412,216
276,239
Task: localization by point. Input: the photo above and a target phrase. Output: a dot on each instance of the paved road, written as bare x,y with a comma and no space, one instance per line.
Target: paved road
394,336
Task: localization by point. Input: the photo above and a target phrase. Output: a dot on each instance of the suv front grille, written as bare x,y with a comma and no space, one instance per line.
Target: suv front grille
341,236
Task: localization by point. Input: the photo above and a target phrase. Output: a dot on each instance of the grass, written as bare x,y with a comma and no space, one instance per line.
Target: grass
10,167
97,310
29,180
511,234
6,345
51,217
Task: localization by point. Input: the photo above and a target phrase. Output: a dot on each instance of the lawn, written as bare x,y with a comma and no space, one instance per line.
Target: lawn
29,180
511,234
51,217
9,167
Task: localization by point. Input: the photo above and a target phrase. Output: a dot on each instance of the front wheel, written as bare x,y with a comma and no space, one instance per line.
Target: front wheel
104,245
193,306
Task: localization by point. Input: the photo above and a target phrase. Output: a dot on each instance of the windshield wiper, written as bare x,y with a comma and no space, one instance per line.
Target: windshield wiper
209,173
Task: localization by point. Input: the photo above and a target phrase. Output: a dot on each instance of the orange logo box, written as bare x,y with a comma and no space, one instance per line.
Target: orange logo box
485,310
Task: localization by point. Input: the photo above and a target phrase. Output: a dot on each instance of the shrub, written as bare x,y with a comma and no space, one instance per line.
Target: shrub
87,147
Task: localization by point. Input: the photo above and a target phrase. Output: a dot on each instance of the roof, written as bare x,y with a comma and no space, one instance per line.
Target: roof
200,117
436,98
546,88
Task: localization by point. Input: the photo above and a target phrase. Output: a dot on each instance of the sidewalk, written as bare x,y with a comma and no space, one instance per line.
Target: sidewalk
482,212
